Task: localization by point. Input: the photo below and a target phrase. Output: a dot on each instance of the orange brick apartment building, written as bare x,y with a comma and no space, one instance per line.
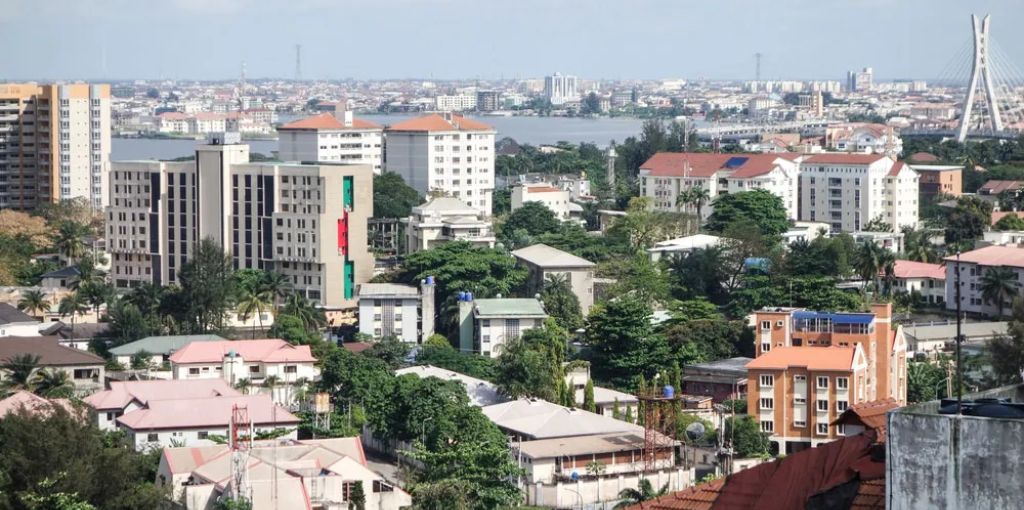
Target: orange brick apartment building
811,366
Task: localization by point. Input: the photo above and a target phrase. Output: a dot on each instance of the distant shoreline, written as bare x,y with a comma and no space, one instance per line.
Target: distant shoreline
185,137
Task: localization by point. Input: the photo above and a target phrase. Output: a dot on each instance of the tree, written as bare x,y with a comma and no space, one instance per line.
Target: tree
72,305
1009,222
917,245
878,224
644,492
999,284
390,350
747,438
291,329
128,324
253,301
925,382
560,302
700,341
967,222
20,371
357,499
759,206
70,241
533,218
446,356
622,344
1006,352
30,229
208,286
591,104
392,197
312,317
531,366
870,261
34,302
243,385
52,383
588,397
638,276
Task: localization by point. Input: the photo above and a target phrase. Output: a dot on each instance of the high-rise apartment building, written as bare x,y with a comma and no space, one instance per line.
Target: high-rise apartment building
488,100
849,190
332,138
446,154
860,81
54,143
559,89
307,222
457,103
811,366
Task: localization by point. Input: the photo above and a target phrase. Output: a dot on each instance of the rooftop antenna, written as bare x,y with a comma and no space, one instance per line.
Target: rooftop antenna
298,62
241,448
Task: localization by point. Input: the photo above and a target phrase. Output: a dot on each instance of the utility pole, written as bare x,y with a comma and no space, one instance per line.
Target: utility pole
959,340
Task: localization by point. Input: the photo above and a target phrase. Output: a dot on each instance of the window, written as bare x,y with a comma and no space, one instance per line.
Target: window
291,369
822,429
203,434
799,379
767,426
842,405
766,325
767,381
799,400
767,403
153,438
193,371
799,423
381,486
822,383
254,369
823,406
842,383
346,490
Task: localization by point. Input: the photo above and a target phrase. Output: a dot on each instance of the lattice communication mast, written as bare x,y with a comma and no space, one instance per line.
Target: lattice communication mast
661,412
241,446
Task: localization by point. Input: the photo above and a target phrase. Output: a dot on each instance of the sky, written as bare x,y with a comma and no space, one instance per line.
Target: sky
489,39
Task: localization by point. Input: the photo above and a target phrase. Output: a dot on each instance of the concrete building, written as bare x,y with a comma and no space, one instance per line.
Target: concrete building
929,280
332,138
84,369
666,175
972,266
481,393
681,246
860,81
400,311
158,348
446,154
14,322
54,144
607,402
931,338
805,231
444,219
488,100
457,103
850,190
307,222
543,261
936,458
485,325
721,380
939,180
848,357
127,396
285,474
559,89
859,137
557,199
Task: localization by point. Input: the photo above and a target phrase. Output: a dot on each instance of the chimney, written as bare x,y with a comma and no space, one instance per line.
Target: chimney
882,310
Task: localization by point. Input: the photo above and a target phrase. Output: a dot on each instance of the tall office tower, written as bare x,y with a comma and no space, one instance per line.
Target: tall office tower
487,100
332,138
560,89
444,153
307,222
860,81
54,143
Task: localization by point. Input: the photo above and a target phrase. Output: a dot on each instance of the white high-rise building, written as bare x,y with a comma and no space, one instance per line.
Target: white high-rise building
456,103
54,144
327,138
847,191
446,154
559,89
307,222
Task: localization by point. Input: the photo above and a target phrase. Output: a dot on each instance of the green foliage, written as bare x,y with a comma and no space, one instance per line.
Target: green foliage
998,285
642,226
531,366
738,406
967,222
357,500
644,492
71,459
746,436
622,344
823,256
18,372
759,206
925,381
878,224
501,200
390,350
588,397
638,276
227,503
684,420
699,341
291,328
392,197
1006,353
560,302
694,310
531,219
208,287
448,357
1009,222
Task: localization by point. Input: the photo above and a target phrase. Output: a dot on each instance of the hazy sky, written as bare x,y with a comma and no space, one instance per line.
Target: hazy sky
208,39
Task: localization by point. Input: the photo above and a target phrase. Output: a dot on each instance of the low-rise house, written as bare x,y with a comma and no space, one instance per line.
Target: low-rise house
395,310
78,336
683,245
721,379
972,266
25,401
543,261
444,219
202,421
481,393
932,338
127,396
892,241
929,280
557,199
157,348
59,279
254,361
86,370
14,322
485,325
805,231
283,475
1002,238
939,180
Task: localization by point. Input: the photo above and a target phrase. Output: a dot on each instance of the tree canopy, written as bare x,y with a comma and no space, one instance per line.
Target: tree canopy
392,197
760,207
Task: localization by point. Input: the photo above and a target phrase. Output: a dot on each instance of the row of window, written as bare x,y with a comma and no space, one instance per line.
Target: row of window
768,404
821,429
842,383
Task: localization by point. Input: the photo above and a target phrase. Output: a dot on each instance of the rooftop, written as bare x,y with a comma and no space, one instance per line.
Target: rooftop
992,256
481,393
834,317
582,445
208,412
447,205
539,419
11,315
31,403
687,243
842,158
387,290
66,272
438,122
870,415
268,351
913,269
692,164
737,365
813,358
969,330
328,121
542,255
165,345
121,393
49,350
509,307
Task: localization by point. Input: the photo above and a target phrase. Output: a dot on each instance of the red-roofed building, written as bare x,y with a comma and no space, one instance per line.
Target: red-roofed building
973,266
332,138
848,190
927,279
445,153
811,366
863,138
252,360
666,175
127,396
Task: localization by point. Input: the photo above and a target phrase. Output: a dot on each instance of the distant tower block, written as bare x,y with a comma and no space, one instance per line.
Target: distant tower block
298,62
981,71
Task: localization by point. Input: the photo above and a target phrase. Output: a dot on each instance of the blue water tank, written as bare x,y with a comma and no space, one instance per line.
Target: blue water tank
469,296
462,296
668,391
430,280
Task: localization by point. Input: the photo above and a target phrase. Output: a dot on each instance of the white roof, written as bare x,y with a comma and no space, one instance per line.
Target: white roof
481,393
696,241
388,290
539,419
448,205
542,255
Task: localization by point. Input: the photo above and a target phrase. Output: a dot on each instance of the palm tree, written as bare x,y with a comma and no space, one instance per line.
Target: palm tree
70,240
888,270
243,385
88,273
146,297
918,246
19,368
53,383
312,317
34,302
270,383
684,199
278,285
869,261
997,284
74,305
254,301
699,195
643,492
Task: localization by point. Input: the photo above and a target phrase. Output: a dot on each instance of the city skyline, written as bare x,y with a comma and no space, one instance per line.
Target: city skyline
210,40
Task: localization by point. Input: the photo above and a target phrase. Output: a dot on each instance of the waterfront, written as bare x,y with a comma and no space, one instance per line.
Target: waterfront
528,130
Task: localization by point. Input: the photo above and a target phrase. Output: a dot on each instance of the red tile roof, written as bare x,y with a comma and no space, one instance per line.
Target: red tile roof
896,169
870,415
328,121
193,413
267,351
814,358
993,256
996,216
923,157
995,187
543,189
839,158
692,164
912,269
436,122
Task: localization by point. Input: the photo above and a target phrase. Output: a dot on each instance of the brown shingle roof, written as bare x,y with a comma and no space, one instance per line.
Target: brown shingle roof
870,415
49,350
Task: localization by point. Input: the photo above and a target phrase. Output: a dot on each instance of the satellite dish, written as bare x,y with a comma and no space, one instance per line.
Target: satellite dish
695,431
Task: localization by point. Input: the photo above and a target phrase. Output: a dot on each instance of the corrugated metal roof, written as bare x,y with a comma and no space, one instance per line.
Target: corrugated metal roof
510,307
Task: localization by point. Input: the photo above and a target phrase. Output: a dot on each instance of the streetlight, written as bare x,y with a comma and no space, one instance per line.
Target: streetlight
423,429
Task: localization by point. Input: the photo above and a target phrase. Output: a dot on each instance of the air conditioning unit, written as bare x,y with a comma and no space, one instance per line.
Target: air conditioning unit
778,324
